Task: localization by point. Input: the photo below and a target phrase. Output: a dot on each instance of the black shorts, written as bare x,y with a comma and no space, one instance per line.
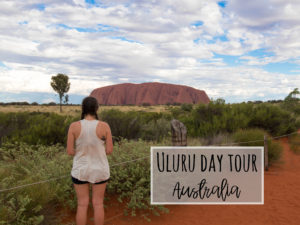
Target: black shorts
76,181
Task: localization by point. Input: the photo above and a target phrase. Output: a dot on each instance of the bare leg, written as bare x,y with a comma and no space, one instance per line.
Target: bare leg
82,191
98,197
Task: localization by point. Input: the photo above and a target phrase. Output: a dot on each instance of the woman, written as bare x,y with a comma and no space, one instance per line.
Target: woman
93,141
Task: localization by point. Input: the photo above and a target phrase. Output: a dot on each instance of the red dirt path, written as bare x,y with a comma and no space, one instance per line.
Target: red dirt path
281,203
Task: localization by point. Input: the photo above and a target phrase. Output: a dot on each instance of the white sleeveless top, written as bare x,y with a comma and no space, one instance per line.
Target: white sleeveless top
90,162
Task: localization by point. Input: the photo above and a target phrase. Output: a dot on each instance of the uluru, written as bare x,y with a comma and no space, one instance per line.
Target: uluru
152,93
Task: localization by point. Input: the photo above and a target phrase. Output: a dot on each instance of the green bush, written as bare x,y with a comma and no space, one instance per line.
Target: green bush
274,151
131,182
35,127
135,125
202,120
291,102
294,142
255,137
272,119
217,139
217,117
122,124
156,130
51,128
19,210
187,107
213,118
297,124
22,164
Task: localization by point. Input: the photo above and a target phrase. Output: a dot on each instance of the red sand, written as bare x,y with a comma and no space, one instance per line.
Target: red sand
282,203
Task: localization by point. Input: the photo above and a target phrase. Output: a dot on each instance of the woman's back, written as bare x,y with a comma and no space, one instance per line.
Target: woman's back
86,139
90,161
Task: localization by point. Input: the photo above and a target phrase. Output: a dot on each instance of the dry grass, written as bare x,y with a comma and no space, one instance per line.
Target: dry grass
294,141
214,140
75,109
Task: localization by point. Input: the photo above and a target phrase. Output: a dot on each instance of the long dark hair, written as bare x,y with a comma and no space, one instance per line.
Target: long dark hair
90,106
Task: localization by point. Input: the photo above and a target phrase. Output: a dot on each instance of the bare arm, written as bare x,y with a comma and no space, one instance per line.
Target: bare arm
70,141
108,142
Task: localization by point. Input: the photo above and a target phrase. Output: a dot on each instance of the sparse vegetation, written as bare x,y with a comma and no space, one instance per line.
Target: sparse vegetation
292,102
23,164
218,117
294,141
274,148
33,149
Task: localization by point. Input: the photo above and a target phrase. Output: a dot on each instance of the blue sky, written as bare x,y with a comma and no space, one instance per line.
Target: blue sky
236,50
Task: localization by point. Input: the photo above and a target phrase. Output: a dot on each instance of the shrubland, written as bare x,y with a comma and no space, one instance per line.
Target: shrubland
22,164
201,120
33,149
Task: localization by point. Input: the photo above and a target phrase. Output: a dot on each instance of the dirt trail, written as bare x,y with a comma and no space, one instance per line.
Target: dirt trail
281,203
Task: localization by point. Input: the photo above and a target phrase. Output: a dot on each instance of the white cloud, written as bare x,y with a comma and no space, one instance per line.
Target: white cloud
149,41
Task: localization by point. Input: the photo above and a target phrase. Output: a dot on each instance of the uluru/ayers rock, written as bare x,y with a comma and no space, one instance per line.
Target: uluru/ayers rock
152,93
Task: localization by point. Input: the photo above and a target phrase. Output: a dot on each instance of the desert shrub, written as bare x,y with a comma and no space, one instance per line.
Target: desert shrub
297,124
16,103
19,210
272,119
213,118
156,130
21,164
294,141
135,125
274,151
255,137
51,128
176,111
217,117
216,139
11,123
203,120
35,127
122,124
131,182
187,107
291,102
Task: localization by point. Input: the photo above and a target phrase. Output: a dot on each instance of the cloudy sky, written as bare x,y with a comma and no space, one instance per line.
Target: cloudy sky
237,50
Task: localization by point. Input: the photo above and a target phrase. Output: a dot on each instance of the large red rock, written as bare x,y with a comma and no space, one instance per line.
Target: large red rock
153,93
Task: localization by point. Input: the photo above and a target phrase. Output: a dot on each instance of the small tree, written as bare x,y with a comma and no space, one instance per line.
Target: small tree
66,100
60,83
293,95
291,102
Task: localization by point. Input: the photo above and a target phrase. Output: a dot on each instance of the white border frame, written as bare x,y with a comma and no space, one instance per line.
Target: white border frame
208,203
